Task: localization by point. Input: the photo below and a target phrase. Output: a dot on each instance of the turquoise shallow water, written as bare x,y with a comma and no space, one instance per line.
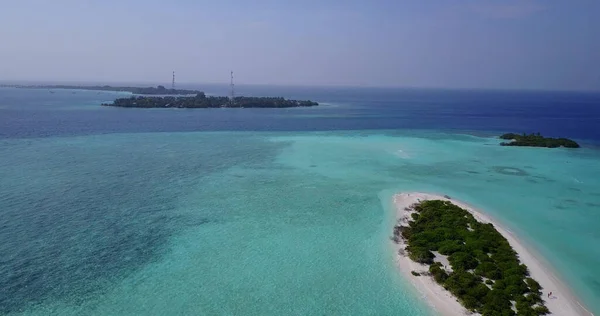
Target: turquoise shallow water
266,223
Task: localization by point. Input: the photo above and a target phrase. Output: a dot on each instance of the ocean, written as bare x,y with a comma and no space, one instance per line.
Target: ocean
110,211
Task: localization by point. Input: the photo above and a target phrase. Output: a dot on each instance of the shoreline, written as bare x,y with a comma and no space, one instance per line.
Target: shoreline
562,302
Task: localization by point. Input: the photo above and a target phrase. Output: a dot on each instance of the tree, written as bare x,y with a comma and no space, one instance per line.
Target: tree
420,255
462,261
439,275
488,270
534,286
541,310
448,247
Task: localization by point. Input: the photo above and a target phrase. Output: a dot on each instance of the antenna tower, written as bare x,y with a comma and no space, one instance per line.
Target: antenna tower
173,82
232,88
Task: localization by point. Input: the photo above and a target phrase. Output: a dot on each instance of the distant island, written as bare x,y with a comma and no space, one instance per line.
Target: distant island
178,98
200,100
537,140
159,90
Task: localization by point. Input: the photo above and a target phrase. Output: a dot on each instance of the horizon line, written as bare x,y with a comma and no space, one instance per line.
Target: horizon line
152,83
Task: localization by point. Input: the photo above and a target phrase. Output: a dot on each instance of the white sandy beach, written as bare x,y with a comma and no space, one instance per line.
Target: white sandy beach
562,302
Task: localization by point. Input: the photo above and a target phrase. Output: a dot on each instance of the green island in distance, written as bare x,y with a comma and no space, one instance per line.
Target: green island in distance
159,90
200,100
178,98
537,140
486,275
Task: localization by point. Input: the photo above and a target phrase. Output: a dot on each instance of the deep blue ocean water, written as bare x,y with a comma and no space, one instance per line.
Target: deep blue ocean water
271,211
37,113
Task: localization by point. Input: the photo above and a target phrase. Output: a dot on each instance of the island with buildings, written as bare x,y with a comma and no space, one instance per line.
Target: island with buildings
537,140
200,100
161,97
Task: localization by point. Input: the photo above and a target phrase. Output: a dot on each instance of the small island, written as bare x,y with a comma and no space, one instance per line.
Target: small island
159,90
200,100
462,262
537,140
476,263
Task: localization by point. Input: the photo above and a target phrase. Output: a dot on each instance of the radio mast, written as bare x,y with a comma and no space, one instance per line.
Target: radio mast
173,82
232,88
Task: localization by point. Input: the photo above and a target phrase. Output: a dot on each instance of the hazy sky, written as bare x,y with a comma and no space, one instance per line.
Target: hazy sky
545,44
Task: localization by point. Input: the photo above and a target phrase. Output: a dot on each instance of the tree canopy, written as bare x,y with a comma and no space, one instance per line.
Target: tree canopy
475,251
537,140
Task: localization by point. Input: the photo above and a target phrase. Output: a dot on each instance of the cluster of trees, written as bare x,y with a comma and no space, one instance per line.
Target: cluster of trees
159,90
202,101
475,251
537,140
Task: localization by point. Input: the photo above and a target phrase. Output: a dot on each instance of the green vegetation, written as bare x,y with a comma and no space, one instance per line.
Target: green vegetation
415,273
475,251
160,90
537,140
202,101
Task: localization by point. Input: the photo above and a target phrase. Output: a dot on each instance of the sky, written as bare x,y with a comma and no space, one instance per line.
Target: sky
472,44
